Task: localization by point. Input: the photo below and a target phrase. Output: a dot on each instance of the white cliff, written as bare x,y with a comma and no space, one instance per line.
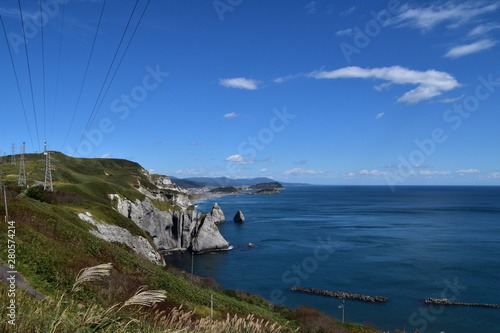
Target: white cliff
113,233
217,214
174,223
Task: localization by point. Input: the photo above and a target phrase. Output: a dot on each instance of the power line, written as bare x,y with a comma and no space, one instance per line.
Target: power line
17,80
29,71
89,121
120,62
85,75
95,108
43,74
58,72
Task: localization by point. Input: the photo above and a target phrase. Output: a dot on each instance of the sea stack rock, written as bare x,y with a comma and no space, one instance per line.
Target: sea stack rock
205,236
217,214
239,217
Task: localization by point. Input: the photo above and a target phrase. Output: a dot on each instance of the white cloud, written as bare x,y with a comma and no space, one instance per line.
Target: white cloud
372,173
263,170
429,83
240,83
107,155
364,172
300,171
350,174
287,78
311,7
405,166
451,100
494,175
237,158
191,172
467,171
230,115
348,11
463,50
345,32
379,115
451,12
482,29
429,173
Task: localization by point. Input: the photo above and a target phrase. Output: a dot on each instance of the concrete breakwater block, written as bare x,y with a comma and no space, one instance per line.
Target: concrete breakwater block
444,301
340,294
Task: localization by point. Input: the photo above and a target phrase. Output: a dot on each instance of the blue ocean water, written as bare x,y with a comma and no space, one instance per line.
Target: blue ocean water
413,243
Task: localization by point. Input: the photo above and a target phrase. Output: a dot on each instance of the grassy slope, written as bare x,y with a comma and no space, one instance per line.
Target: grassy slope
53,244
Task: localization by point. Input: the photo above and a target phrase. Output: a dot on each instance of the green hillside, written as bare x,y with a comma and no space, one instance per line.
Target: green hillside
53,245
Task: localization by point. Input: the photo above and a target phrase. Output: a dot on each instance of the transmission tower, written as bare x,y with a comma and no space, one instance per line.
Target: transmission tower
22,172
47,186
13,156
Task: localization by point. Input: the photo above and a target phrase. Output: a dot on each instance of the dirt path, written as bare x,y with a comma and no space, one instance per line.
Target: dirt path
20,280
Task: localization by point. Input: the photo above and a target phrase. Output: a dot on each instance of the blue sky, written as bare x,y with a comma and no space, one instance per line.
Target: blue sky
325,92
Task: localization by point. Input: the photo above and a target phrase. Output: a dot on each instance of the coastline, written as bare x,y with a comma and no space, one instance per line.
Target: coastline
275,227
205,196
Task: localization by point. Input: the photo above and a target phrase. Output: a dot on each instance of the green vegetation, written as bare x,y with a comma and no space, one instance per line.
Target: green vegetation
225,189
267,186
53,245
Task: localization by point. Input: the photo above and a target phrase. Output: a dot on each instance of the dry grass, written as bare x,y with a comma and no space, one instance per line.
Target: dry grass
178,320
142,313
68,315
91,274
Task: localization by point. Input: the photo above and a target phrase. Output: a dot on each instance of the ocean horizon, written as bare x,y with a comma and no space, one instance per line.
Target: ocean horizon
407,245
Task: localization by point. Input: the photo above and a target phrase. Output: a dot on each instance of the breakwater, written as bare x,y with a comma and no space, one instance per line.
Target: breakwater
340,294
444,301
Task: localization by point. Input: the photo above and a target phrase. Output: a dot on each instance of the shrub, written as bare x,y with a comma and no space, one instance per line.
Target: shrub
35,192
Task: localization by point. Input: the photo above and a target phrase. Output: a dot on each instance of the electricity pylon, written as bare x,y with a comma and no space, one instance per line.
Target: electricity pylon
47,186
22,172
13,156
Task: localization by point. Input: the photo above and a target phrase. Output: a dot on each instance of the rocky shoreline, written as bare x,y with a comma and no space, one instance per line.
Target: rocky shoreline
340,294
444,301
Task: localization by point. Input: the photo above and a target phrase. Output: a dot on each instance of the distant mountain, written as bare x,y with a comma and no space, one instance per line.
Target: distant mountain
267,186
199,182
187,183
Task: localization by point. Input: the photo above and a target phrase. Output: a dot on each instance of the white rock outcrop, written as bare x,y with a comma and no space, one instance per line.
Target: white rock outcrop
113,233
206,236
217,214
178,228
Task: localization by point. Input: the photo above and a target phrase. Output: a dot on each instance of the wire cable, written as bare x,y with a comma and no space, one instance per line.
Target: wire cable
85,75
17,81
43,75
29,72
94,110
58,72
120,62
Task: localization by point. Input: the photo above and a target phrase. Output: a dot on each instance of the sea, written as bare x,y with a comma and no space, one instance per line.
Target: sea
407,243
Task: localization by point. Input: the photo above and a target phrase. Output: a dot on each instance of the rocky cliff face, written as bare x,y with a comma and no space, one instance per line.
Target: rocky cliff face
113,233
172,221
217,214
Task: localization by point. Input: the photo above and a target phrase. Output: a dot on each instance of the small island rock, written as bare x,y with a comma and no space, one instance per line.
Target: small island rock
218,214
239,217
